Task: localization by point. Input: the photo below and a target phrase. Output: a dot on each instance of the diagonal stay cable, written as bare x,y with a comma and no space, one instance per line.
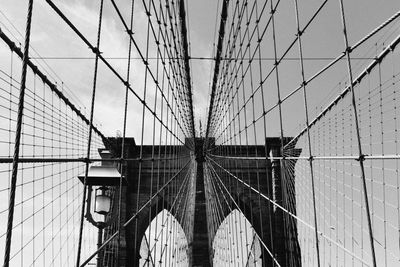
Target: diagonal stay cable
169,56
221,34
288,212
237,206
356,81
113,70
322,70
273,69
145,62
182,15
179,199
46,80
105,243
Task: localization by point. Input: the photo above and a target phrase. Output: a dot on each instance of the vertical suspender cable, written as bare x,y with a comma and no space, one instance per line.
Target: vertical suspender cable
18,134
279,104
360,154
299,33
130,32
142,135
97,52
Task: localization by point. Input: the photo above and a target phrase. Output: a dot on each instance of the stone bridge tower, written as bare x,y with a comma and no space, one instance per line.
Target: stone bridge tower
199,237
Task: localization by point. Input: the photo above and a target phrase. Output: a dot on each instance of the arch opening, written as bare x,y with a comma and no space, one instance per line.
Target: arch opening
164,242
236,242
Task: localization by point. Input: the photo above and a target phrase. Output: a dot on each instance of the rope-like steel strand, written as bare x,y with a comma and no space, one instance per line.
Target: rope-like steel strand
18,134
96,63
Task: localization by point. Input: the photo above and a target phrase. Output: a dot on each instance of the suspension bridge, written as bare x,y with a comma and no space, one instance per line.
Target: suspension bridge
274,142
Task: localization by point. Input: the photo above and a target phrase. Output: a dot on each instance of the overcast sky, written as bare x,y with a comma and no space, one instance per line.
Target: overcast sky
51,38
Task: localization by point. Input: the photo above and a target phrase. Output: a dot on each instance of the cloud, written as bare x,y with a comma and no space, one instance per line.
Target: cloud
53,38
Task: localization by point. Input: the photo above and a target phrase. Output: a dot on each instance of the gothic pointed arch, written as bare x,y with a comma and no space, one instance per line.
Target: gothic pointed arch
164,242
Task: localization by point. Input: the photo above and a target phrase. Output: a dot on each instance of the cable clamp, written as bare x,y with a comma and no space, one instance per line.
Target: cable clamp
361,158
299,33
96,51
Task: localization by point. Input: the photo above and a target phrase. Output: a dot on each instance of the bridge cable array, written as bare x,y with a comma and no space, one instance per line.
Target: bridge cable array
299,162
250,99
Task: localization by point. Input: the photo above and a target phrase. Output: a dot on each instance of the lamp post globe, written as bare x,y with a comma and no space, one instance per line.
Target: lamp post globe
102,201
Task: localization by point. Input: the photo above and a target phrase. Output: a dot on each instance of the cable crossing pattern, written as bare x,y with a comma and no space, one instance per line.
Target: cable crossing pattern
298,163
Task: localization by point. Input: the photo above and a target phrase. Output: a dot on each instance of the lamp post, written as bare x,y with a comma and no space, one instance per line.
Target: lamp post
103,177
103,207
